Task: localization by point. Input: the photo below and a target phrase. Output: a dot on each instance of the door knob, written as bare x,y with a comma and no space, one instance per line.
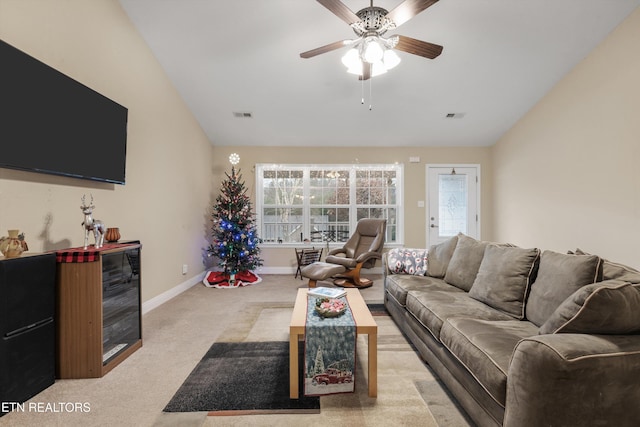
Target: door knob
434,226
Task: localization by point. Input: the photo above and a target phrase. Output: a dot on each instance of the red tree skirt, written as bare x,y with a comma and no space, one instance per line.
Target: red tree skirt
218,279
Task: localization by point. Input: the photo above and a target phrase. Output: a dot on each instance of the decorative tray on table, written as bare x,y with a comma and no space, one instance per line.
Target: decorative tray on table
330,307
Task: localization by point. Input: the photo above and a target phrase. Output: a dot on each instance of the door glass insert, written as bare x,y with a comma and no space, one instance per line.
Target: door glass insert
453,196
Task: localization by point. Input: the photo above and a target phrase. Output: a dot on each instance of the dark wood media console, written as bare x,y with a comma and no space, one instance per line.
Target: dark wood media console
99,319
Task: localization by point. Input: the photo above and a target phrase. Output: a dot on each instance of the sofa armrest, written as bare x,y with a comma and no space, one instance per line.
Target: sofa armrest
574,379
385,267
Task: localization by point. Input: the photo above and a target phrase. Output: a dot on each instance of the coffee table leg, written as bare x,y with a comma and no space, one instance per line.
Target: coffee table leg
373,364
293,365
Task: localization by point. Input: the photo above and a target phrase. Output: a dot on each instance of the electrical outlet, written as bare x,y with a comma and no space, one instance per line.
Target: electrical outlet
185,268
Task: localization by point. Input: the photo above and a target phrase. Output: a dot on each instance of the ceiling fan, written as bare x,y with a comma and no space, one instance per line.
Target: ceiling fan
371,53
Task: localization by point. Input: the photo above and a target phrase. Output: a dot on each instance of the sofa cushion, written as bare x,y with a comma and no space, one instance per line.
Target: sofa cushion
398,285
559,275
504,277
431,308
439,256
465,262
395,260
609,307
614,270
485,347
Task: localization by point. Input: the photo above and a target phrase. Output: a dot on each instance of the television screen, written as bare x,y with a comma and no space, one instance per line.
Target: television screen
51,123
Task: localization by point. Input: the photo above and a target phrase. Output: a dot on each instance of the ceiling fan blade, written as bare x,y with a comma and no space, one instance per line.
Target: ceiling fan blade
340,10
324,49
418,47
407,10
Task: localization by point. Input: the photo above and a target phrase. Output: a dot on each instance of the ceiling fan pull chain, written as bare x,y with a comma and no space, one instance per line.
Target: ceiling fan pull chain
370,95
362,91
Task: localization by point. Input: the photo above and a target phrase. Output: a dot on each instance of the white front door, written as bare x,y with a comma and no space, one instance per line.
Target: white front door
453,196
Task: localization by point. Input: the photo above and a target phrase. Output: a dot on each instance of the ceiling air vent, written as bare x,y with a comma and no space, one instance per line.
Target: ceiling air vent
242,114
455,115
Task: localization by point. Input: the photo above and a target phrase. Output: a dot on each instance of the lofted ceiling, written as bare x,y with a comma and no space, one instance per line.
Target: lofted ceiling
500,57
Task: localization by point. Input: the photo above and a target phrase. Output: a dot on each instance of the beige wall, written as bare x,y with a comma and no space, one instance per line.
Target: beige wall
563,177
414,180
166,200
567,174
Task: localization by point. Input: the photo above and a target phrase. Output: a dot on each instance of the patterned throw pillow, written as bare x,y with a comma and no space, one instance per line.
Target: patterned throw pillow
395,260
415,261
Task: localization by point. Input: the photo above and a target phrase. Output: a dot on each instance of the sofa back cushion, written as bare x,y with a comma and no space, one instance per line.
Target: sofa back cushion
559,275
609,307
614,270
465,262
504,278
439,256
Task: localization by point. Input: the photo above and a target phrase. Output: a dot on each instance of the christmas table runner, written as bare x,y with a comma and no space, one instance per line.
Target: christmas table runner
80,254
330,351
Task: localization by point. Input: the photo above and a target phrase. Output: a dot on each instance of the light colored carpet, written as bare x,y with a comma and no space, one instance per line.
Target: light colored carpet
177,334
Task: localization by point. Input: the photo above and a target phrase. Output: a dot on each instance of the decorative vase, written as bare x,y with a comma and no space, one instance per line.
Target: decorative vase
14,245
112,234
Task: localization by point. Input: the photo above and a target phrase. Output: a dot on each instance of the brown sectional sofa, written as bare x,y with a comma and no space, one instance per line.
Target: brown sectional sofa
522,337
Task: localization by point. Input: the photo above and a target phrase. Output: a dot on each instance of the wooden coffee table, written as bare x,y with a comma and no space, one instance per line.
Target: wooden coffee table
364,325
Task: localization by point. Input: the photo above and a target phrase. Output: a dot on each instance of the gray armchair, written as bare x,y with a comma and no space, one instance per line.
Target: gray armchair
362,250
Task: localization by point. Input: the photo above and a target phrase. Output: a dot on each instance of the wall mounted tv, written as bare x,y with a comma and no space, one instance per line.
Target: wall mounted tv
51,123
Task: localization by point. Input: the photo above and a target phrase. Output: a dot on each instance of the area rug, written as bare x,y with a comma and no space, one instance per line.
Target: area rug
241,378
377,309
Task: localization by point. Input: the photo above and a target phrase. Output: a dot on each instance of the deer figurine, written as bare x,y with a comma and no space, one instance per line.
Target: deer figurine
91,224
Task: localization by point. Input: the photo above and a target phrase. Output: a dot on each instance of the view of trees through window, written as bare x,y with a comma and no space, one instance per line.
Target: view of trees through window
297,203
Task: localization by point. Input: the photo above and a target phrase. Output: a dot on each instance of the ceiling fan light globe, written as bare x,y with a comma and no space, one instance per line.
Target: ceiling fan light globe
356,70
351,59
373,52
390,59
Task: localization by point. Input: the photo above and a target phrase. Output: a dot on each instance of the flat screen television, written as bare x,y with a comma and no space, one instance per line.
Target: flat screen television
51,123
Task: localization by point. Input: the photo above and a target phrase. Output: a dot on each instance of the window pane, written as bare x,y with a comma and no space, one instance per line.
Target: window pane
362,196
328,187
377,196
362,213
391,196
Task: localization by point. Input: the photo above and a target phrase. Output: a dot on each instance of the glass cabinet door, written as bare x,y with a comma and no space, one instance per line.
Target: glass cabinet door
120,302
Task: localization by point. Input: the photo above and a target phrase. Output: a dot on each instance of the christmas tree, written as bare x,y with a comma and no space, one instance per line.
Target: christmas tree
235,242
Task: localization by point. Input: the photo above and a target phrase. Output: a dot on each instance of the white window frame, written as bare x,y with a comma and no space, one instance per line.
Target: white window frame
306,206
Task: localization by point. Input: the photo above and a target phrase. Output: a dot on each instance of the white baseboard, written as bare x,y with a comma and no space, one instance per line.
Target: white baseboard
157,301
